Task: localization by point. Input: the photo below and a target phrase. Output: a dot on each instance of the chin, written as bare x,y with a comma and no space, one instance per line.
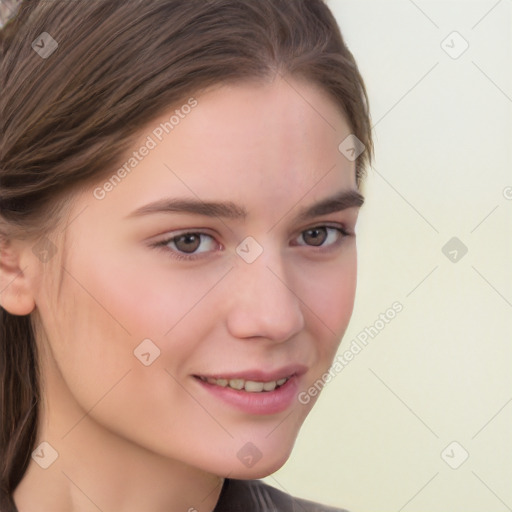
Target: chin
261,461
259,470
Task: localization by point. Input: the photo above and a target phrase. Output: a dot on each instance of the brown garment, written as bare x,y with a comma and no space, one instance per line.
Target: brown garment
256,496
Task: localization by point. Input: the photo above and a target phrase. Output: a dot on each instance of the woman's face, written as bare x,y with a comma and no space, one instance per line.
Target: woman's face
145,325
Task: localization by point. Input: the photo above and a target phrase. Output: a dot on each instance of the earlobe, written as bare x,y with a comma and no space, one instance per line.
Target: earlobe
15,293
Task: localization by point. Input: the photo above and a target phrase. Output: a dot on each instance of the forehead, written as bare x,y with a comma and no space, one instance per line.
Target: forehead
245,142
284,125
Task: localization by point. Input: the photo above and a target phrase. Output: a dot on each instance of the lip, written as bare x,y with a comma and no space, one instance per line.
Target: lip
263,403
260,375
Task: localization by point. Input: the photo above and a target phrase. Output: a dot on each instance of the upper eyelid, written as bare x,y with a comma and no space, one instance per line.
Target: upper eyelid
346,222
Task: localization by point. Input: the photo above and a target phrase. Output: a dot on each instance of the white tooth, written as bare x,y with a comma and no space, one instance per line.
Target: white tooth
211,380
269,386
253,387
280,382
221,382
236,383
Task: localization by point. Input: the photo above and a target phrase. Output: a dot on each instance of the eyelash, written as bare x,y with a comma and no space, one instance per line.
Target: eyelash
181,256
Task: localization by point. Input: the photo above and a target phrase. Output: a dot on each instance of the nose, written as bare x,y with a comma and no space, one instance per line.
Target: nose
263,303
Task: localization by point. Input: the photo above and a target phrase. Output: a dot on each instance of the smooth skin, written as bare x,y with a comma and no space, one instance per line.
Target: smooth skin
132,437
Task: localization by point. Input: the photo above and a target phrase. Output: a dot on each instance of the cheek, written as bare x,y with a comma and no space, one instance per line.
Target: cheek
328,290
103,314
132,300
148,296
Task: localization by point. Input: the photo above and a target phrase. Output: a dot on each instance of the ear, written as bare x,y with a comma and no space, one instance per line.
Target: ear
15,292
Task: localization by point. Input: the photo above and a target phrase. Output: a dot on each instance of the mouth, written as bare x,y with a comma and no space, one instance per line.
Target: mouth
249,386
254,392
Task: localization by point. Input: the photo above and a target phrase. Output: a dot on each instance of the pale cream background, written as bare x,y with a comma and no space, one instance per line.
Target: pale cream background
441,370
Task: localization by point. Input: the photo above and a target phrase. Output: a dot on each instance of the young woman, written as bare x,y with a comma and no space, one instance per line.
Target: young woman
179,186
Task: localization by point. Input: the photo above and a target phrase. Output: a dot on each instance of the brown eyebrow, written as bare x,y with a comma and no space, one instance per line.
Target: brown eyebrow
341,201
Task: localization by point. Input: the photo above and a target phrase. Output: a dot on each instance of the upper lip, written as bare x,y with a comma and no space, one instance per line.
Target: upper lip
258,375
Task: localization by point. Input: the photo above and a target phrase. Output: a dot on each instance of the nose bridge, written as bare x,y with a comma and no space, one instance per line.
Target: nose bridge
264,304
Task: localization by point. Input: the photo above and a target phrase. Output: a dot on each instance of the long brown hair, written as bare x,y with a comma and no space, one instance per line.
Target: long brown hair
67,118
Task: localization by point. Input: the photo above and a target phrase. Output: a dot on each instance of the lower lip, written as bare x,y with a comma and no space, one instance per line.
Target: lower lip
265,402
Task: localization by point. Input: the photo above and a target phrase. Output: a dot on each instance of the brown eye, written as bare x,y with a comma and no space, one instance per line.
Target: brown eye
188,242
323,237
315,236
188,246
